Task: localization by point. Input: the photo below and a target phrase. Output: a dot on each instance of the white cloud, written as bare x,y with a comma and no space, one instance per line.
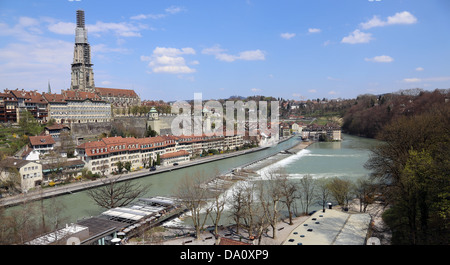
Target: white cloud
429,79
219,53
287,35
102,48
419,69
65,28
255,90
256,55
170,60
380,59
357,36
122,29
314,30
168,11
332,92
312,91
174,9
411,80
401,18
29,54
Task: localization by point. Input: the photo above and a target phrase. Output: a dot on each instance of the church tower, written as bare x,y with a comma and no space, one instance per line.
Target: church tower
82,72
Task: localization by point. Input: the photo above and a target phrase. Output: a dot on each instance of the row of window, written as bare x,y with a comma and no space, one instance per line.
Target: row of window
32,175
30,168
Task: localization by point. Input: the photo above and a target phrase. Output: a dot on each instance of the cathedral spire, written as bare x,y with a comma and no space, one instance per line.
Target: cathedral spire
82,72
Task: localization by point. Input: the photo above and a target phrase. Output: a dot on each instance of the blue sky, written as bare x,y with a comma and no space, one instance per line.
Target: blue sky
169,50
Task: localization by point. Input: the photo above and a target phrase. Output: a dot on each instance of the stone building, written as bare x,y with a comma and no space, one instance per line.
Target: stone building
77,107
118,97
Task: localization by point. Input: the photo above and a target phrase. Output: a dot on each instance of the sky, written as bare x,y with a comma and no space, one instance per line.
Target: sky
169,50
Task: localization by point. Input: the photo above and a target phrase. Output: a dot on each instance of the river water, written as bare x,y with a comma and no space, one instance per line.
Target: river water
334,159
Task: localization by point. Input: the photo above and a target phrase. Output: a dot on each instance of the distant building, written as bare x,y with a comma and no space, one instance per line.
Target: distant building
40,145
13,102
8,107
56,130
331,132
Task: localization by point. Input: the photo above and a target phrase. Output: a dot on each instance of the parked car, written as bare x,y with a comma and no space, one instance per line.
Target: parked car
152,168
175,164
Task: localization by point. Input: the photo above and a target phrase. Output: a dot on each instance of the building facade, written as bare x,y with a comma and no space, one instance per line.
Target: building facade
77,107
118,97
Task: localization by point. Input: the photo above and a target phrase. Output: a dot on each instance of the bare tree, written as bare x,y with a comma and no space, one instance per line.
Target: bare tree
114,193
218,205
194,196
323,194
307,189
237,204
289,192
270,195
365,191
250,208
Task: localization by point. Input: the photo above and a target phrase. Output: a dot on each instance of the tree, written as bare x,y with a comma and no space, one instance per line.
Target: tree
128,166
158,160
218,205
412,164
271,193
150,132
120,166
237,204
307,191
194,197
323,194
116,193
340,189
28,124
365,191
289,192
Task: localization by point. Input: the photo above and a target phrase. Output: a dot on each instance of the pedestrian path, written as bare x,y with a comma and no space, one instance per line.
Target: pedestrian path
332,227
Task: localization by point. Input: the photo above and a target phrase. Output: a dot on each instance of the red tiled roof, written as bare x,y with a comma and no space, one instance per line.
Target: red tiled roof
175,154
118,143
114,92
57,127
41,140
54,98
79,95
29,96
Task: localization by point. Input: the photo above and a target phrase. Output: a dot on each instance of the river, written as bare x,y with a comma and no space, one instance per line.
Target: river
341,159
